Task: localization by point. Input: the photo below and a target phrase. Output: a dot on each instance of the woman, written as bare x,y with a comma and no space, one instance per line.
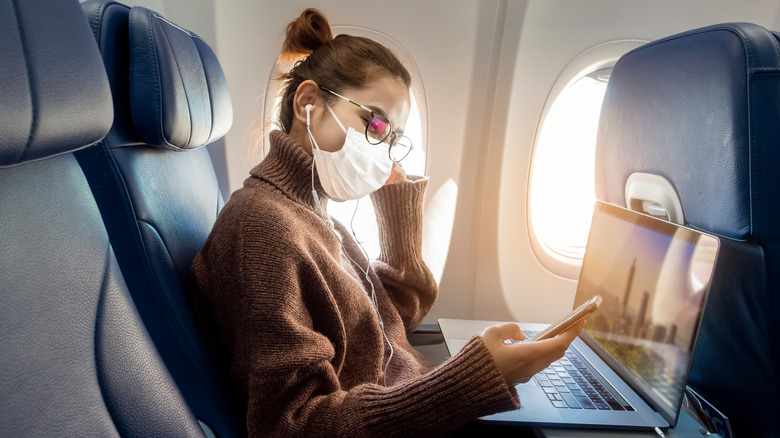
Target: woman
311,335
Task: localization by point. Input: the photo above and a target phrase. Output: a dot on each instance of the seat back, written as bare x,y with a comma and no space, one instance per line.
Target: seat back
75,359
700,112
155,184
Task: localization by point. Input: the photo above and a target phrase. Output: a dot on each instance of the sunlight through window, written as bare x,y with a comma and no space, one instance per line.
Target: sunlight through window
562,191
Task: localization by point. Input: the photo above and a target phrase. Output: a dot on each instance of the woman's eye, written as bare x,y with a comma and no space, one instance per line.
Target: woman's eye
378,126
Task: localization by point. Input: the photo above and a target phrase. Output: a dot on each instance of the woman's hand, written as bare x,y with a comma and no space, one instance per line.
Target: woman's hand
518,362
397,175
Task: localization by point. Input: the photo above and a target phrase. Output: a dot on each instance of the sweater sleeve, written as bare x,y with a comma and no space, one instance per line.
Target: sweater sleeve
308,402
289,360
408,281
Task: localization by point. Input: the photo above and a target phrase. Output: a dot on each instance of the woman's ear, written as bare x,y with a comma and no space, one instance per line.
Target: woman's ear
306,94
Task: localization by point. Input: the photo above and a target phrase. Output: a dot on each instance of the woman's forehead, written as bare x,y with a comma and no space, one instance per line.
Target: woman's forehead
387,95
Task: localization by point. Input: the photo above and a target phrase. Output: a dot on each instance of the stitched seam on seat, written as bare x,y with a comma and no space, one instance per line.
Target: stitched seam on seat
772,335
95,342
8,166
777,45
97,21
746,41
669,38
739,34
208,90
159,17
752,158
31,81
157,102
126,198
181,333
774,42
152,277
178,69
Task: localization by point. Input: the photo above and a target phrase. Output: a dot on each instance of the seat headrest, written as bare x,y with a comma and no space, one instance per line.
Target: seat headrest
55,94
179,97
696,109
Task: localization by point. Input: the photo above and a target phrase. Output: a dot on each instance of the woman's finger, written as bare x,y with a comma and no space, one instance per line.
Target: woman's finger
504,331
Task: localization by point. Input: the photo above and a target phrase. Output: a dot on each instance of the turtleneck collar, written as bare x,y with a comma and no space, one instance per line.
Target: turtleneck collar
289,168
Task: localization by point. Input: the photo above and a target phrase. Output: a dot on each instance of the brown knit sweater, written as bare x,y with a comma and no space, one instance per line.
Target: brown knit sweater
290,321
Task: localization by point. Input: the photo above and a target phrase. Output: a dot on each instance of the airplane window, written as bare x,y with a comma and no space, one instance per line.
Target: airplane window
364,222
562,191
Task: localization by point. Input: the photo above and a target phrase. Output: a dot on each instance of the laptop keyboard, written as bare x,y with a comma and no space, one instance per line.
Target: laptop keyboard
570,384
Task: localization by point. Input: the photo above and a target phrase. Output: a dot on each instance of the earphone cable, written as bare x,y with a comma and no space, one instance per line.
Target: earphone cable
365,271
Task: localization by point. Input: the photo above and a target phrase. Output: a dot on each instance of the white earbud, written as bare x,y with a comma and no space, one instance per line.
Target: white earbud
308,114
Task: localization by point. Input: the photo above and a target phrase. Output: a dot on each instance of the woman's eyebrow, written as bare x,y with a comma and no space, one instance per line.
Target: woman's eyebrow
376,109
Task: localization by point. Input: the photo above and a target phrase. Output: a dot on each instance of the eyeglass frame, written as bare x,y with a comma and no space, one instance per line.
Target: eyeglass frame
395,136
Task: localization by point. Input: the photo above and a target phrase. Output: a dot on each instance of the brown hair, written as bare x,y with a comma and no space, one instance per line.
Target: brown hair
334,63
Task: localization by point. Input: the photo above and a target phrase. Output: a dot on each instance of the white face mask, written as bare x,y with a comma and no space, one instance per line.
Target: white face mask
354,171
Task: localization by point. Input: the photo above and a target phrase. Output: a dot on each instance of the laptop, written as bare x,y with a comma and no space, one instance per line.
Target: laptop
629,366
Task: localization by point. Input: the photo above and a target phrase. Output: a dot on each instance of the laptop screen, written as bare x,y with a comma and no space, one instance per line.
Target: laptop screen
653,277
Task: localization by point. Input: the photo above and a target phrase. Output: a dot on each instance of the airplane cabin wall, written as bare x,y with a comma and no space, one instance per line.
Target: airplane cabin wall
488,67
454,46
553,34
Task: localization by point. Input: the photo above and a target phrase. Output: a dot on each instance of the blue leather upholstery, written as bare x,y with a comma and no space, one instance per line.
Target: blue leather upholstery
701,109
40,114
155,185
75,359
178,93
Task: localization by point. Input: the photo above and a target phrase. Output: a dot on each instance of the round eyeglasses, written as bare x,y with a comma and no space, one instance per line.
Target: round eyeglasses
380,130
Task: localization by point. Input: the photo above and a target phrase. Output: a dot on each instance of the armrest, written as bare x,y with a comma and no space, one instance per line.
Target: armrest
428,340
427,329
426,334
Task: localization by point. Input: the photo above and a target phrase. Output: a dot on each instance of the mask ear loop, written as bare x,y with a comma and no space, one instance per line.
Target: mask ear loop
365,271
334,117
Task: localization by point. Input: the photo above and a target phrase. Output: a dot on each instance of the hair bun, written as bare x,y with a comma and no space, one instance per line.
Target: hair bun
305,34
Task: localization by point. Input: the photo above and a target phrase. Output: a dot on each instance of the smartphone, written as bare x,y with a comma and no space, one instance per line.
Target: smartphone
569,320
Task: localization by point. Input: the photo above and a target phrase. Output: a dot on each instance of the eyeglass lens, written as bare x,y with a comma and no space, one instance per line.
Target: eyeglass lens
378,129
400,148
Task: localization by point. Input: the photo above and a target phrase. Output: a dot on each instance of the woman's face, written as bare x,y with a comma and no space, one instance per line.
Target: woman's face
387,96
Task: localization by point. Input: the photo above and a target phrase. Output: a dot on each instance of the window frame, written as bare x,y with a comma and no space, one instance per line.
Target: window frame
597,58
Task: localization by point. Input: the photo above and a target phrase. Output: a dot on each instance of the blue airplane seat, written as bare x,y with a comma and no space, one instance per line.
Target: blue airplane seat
690,131
155,184
75,358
